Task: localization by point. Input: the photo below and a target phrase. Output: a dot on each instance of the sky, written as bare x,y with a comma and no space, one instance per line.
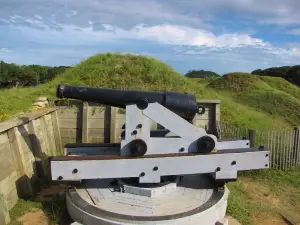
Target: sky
219,35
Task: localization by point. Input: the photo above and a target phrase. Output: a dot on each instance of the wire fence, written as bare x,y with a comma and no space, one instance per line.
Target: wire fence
284,145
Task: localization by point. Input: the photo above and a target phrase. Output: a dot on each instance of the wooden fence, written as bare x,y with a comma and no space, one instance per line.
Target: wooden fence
284,145
25,144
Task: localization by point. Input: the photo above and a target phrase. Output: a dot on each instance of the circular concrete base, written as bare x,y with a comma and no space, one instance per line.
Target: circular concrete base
195,200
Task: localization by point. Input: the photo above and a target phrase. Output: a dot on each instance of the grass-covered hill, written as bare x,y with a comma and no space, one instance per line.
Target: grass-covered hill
272,95
247,100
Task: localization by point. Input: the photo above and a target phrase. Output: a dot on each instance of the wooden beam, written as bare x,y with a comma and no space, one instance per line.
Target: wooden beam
84,125
39,155
113,117
56,130
17,121
24,185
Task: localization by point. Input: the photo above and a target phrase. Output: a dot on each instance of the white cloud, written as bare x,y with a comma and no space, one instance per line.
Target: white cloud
166,34
4,51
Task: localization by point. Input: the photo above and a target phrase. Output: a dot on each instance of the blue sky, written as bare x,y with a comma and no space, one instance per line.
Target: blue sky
219,35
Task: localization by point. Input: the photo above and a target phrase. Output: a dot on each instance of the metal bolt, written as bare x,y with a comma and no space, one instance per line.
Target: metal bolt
233,163
267,155
266,165
181,150
142,174
134,132
60,178
75,171
218,169
155,168
139,126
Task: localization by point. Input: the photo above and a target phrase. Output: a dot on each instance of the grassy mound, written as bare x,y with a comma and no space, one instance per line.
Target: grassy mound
275,97
103,70
125,72
236,82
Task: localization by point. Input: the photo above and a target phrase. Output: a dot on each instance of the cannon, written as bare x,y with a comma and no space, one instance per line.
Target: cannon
177,176
183,104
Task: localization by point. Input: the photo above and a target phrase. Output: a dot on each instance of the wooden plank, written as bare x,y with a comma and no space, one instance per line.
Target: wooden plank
3,138
68,140
69,123
6,160
69,133
39,155
49,131
14,122
9,190
56,132
96,123
66,112
24,184
96,133
113,114
4,212
84,123
96,112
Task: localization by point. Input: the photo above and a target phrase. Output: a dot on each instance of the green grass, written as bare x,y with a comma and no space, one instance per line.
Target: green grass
276,98
260,192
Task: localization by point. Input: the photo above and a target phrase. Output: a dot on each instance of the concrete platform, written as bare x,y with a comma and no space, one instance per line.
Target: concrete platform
194,201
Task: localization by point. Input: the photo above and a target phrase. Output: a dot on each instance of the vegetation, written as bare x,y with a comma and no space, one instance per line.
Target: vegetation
266,197
290,73
253,101
12,75
201,74
274,96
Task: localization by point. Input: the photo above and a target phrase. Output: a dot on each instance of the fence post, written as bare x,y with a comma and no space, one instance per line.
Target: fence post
84,126
251,136
296,143
113,118
57,136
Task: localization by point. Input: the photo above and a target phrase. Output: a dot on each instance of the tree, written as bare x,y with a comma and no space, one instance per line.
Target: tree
13,75
290,73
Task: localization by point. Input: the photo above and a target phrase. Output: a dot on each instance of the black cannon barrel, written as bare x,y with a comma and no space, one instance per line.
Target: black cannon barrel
183,104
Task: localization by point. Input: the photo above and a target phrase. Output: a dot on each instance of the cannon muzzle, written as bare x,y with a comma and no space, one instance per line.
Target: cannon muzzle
183,104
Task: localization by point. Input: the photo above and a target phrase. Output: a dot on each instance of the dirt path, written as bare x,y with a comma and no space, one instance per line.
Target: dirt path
37,217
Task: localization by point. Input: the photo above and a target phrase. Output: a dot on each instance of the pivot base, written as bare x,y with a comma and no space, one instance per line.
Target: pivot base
196,200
